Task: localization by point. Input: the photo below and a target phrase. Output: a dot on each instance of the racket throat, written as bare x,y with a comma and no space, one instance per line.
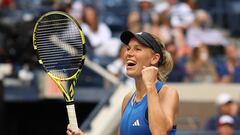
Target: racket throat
69,93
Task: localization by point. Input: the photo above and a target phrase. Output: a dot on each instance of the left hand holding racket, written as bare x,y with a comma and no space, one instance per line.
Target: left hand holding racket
71,132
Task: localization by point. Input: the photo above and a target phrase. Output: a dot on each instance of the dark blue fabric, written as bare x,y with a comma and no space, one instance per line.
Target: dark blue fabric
236,75
222,71
178,73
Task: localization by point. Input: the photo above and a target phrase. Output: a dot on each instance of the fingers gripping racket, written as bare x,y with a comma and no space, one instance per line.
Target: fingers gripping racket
60,45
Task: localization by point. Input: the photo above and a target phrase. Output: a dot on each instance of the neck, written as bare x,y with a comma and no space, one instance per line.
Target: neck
93,26
233,61
140,89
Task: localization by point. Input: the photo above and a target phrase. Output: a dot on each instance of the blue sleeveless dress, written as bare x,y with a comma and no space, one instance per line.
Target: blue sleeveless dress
133,121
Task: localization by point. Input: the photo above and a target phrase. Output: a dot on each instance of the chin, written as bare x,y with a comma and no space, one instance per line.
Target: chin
132,74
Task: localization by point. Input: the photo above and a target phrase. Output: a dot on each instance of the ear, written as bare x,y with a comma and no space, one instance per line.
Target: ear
155,59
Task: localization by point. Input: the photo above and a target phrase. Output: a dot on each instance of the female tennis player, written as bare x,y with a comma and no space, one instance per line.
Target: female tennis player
153,107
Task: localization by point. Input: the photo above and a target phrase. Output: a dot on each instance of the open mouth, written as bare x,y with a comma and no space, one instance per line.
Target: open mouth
131,63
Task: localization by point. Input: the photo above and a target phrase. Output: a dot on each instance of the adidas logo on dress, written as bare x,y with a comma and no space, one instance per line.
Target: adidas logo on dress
136,123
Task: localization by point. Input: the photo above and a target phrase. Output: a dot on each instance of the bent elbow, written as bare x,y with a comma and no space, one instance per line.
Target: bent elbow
159,132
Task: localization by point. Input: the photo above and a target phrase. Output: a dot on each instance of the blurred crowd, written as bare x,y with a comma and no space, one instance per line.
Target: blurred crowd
227,117
201,52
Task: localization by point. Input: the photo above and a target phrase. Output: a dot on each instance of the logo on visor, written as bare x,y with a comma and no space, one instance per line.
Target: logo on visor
139,33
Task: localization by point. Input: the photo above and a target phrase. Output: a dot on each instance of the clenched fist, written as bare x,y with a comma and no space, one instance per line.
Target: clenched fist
149,76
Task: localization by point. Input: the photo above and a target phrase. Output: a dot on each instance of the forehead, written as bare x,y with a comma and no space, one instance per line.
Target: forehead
134,42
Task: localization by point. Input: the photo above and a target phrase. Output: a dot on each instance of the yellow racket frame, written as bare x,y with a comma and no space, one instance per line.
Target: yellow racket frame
68,96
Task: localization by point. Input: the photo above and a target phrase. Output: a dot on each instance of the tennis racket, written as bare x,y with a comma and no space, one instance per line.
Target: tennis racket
60,46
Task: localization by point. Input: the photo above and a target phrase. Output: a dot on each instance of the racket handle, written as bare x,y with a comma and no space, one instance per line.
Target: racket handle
72,117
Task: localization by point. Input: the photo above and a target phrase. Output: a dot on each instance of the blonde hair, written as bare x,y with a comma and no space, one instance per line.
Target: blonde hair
165,67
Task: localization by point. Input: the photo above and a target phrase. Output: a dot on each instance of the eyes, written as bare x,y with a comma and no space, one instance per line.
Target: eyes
134,48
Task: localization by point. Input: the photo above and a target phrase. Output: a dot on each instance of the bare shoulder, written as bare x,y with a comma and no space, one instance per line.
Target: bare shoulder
126,99
170,100
168,91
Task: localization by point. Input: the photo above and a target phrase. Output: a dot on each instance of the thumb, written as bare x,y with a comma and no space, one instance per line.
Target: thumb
144,67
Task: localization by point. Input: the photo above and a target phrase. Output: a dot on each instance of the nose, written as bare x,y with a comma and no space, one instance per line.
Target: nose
130,52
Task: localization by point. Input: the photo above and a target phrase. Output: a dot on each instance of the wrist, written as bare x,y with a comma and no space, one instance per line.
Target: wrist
150,86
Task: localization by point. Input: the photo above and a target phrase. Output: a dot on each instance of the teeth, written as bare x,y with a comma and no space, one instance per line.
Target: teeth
130,61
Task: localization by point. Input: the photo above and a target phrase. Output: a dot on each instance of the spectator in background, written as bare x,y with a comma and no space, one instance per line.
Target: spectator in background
76,11
62,5
200,68
225,106
133,22
201,32
229,70
145,8
9,16
161,20
154,26
161,26
117,67
181,14
2,55
9,4
178,73
97,31
225,125
192,4
105,48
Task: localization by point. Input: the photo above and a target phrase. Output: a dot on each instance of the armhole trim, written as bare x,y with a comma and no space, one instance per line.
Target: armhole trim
164,87
129,100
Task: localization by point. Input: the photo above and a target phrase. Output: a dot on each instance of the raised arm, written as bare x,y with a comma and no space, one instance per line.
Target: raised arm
162,109
162,106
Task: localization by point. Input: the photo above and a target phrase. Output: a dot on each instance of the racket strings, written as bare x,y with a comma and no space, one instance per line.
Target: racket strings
54,53
45,31
55,19
59,46
53,60
53,48
46,34
63,66
74,43
57,22
60,70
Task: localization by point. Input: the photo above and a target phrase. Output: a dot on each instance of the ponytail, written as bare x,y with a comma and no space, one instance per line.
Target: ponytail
166,67
166,64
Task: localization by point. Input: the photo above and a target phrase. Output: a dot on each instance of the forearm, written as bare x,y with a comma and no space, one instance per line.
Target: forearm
158,122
